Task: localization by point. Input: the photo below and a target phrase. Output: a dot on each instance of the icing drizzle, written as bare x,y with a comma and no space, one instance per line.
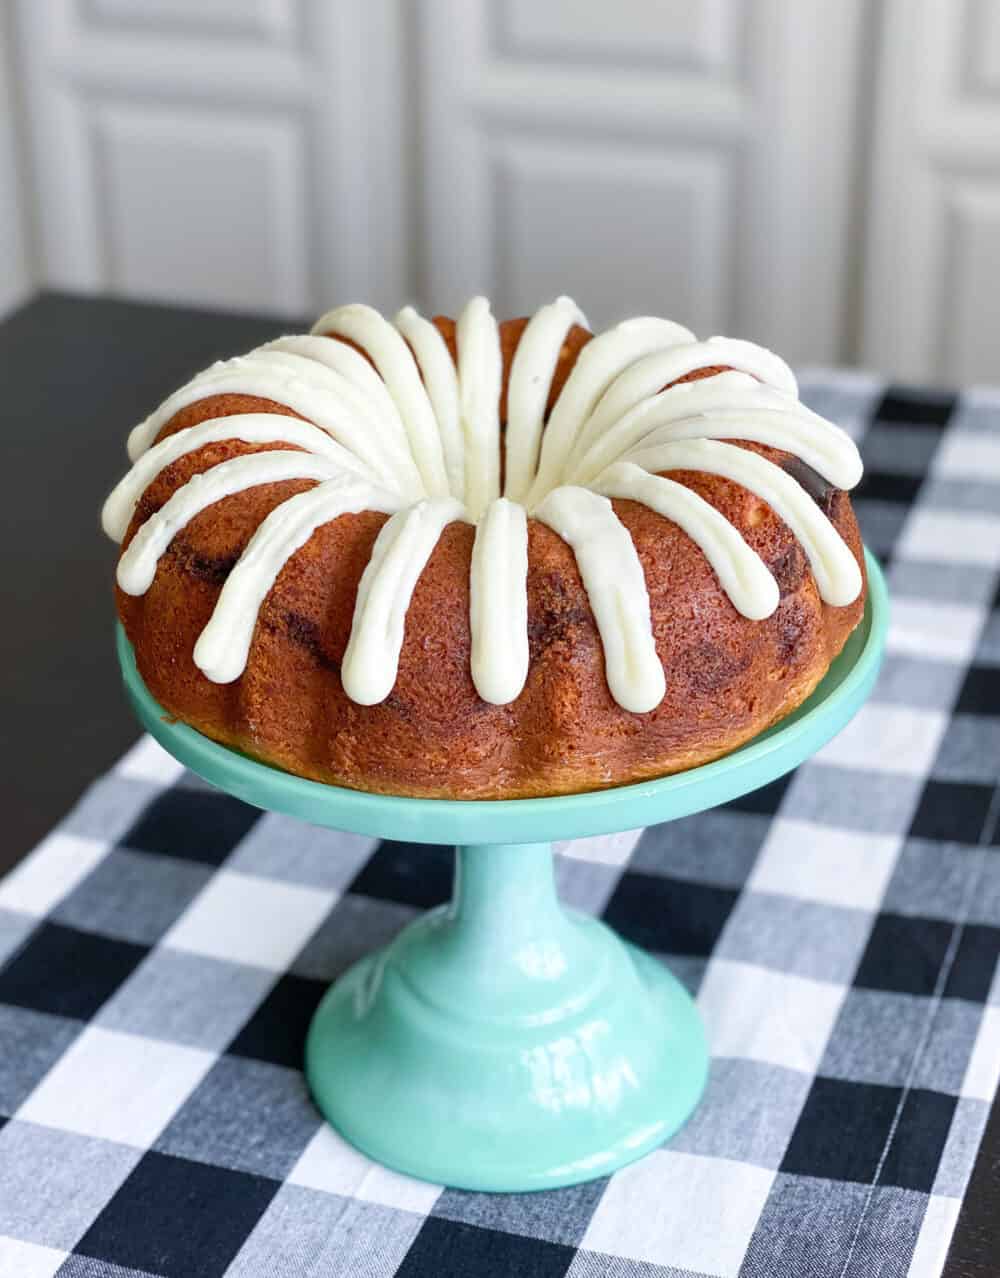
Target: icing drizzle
410,433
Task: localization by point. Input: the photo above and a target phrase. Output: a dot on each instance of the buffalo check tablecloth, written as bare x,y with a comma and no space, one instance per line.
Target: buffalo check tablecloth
162,950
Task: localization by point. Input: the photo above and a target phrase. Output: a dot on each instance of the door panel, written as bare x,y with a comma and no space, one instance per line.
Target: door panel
245,155
933,243
661,158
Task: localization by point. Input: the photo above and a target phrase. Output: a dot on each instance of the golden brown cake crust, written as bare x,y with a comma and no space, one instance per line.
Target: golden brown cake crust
728,678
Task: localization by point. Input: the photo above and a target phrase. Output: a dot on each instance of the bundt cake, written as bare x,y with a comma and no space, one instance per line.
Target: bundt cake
470,560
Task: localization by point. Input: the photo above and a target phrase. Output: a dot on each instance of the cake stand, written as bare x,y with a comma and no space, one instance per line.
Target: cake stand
501,1042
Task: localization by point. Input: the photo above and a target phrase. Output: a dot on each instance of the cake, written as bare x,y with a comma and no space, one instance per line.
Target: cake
471,560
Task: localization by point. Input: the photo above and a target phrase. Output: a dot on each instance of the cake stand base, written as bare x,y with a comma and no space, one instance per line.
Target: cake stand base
502,1043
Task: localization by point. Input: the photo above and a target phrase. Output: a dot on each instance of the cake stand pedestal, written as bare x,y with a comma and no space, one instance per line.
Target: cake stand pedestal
501,1042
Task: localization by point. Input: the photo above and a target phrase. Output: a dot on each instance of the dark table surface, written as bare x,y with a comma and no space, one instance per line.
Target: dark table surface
75,375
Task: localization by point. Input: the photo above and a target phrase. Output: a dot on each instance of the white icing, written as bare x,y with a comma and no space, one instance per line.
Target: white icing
224,645
616,586
498,602
599,363
651,374
837,574
392,357
441,380
354,368
273,379
408,433
772,368
836,459
531,374
742,573
399,556
727,406
252,428
359,385
480,368
137,566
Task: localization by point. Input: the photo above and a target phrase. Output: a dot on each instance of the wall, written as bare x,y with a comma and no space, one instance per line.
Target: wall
824,178
241,153
17,266
932,302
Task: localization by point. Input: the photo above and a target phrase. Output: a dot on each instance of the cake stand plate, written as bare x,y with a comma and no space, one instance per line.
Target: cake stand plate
501,1042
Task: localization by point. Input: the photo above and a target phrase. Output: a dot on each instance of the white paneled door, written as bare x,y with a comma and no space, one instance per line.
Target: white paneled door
692,157
722,161
932,303
245,153
651,155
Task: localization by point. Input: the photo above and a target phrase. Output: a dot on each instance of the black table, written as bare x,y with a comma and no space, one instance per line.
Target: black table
76,374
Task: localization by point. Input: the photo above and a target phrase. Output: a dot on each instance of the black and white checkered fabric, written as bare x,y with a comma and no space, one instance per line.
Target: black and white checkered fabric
161,953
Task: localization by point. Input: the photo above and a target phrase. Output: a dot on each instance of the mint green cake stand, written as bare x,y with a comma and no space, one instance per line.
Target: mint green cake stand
501,1042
